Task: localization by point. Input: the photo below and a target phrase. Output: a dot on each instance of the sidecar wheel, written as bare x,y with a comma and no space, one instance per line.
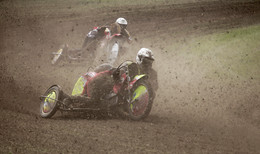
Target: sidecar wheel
49,103
141,101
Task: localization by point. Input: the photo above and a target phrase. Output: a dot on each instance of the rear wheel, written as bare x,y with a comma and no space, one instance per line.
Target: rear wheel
141,101
49,103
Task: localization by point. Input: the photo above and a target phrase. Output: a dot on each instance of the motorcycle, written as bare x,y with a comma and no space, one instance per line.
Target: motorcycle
107,43
122,90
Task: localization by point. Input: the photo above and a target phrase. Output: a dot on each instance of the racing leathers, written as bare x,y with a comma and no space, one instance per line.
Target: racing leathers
152,76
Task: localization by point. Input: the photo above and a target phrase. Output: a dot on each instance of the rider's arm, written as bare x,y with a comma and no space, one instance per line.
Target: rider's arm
127,35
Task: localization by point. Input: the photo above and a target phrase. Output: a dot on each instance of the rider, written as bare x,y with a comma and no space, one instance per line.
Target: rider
119,27
143,65
144,59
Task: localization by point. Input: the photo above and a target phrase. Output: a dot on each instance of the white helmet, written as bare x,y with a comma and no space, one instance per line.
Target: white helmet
144,54
121,21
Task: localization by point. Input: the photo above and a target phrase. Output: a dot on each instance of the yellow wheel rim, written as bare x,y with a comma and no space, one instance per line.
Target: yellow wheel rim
49,102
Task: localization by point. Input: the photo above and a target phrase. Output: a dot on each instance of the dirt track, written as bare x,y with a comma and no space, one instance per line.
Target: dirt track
191,114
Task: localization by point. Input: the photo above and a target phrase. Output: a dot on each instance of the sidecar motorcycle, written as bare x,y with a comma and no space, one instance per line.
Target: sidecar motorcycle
121,90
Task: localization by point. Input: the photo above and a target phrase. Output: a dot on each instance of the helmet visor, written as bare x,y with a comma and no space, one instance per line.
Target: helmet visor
123,26
148,61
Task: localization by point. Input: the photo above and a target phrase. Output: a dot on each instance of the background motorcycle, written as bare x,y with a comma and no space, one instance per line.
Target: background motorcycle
122,91
108,44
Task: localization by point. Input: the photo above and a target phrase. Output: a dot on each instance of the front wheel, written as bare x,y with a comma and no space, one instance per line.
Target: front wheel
141,101
49,103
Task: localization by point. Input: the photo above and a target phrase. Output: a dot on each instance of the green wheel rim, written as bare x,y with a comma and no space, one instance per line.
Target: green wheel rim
140,101
49,102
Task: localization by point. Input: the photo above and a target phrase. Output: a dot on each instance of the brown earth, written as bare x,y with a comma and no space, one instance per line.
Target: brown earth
191,114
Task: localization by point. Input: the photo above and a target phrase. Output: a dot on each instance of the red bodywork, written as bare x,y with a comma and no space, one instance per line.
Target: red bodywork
90,76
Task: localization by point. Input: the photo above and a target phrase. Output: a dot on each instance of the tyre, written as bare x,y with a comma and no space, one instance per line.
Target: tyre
141,101
49,103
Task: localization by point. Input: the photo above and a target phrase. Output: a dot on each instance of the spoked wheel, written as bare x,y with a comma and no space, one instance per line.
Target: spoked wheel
141,101
49,103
